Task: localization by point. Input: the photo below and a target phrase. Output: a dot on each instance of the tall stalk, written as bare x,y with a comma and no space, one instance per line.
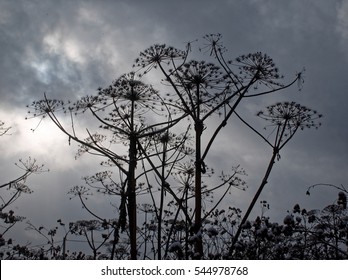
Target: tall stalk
287,118
132,204
204,88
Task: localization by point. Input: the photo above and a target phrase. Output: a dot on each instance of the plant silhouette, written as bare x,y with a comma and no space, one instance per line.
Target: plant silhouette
155,147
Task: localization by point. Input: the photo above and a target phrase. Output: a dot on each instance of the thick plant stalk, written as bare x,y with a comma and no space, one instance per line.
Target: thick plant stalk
132,206
160,215
199,126
198,189
256,196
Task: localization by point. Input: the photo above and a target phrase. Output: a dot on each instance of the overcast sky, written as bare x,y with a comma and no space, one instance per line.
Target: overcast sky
70,48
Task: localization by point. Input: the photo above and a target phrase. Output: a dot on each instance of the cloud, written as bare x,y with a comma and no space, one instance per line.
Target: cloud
342,25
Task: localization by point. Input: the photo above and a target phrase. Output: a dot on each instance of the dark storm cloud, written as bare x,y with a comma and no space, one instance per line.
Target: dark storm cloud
70,48
62,47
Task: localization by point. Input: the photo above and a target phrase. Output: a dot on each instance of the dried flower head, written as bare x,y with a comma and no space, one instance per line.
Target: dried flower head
202,83
291,115
128,90
30,166
259,68
214,44
287,118
200,73
157,54
46,106
85,103
82,226
80,191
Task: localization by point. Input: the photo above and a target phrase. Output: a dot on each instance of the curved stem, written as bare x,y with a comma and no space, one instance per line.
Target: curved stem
256,196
